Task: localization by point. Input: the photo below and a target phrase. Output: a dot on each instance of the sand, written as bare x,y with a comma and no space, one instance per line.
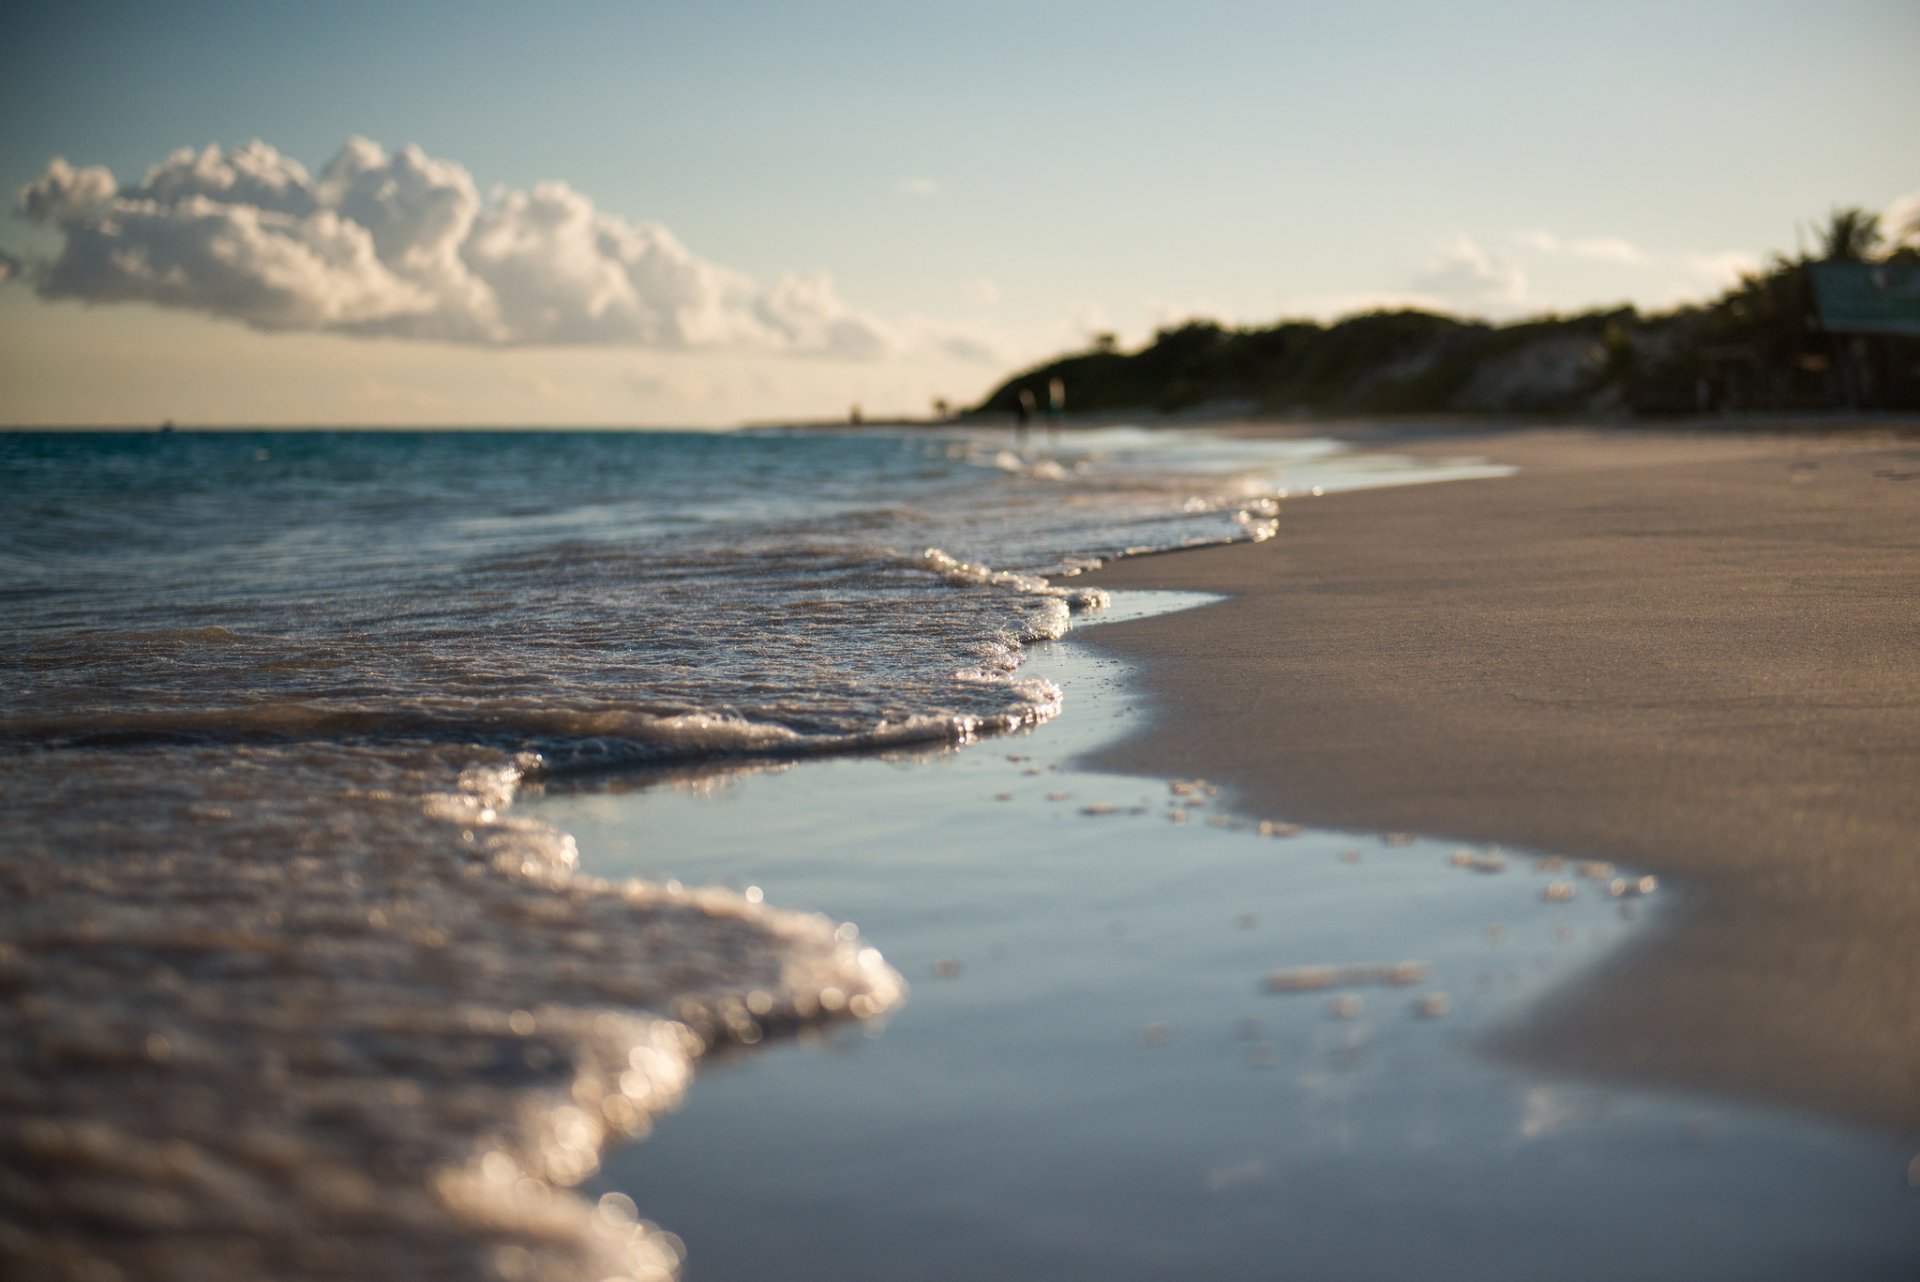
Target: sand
1698,654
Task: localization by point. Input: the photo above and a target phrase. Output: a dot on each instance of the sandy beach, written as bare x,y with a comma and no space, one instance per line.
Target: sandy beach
1698,654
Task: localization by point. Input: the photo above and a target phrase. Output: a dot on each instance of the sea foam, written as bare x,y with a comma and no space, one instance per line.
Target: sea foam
299,1012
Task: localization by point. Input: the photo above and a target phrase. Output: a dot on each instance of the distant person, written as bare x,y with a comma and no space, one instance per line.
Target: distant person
1022,415
1056,406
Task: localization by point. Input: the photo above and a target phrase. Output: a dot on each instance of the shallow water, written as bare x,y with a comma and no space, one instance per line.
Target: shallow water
294,988
590,596
1094,1076
373,1026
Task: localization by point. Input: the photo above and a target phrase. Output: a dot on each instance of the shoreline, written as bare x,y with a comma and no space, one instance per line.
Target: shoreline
1104,1022
1690,653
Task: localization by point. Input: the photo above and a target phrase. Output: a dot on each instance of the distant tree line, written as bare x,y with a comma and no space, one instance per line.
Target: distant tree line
1758,346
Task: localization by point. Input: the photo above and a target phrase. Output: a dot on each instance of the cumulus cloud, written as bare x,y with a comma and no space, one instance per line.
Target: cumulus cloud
1900,221
922,187
1463,274
402,244
65,195
804,311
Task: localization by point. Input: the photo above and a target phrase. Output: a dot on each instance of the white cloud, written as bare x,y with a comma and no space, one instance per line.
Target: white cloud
254,175
275,271
1900,221
64,194
402,244
922,187
982,291
805,312
1463,274
1683,279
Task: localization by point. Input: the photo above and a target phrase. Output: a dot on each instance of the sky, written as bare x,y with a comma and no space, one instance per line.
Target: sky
689,215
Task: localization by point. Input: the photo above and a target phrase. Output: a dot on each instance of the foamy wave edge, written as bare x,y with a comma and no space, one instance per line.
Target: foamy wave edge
427,979
565,738
630,1066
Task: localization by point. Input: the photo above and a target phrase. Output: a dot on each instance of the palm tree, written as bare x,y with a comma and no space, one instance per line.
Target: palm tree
1852,235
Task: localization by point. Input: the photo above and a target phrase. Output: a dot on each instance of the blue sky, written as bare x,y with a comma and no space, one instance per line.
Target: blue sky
957,188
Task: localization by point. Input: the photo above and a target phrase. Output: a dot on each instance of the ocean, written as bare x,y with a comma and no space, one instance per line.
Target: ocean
618,597
297,991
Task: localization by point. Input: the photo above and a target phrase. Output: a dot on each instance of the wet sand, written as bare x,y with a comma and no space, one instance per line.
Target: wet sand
1698,654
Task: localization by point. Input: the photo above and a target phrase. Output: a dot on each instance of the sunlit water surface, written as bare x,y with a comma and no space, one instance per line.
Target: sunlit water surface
294,989
1095,1076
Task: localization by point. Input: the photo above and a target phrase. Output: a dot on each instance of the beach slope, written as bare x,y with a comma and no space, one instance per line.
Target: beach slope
1696,654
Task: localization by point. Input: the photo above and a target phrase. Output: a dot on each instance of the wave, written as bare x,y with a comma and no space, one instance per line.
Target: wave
299,991
339,1021
958,573
561,738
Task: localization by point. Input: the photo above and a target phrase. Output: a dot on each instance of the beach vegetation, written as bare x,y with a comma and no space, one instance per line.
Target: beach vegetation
1763,344
1852,235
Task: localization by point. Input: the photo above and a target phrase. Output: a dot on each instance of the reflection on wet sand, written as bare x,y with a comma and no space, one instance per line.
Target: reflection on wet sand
1232,1034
